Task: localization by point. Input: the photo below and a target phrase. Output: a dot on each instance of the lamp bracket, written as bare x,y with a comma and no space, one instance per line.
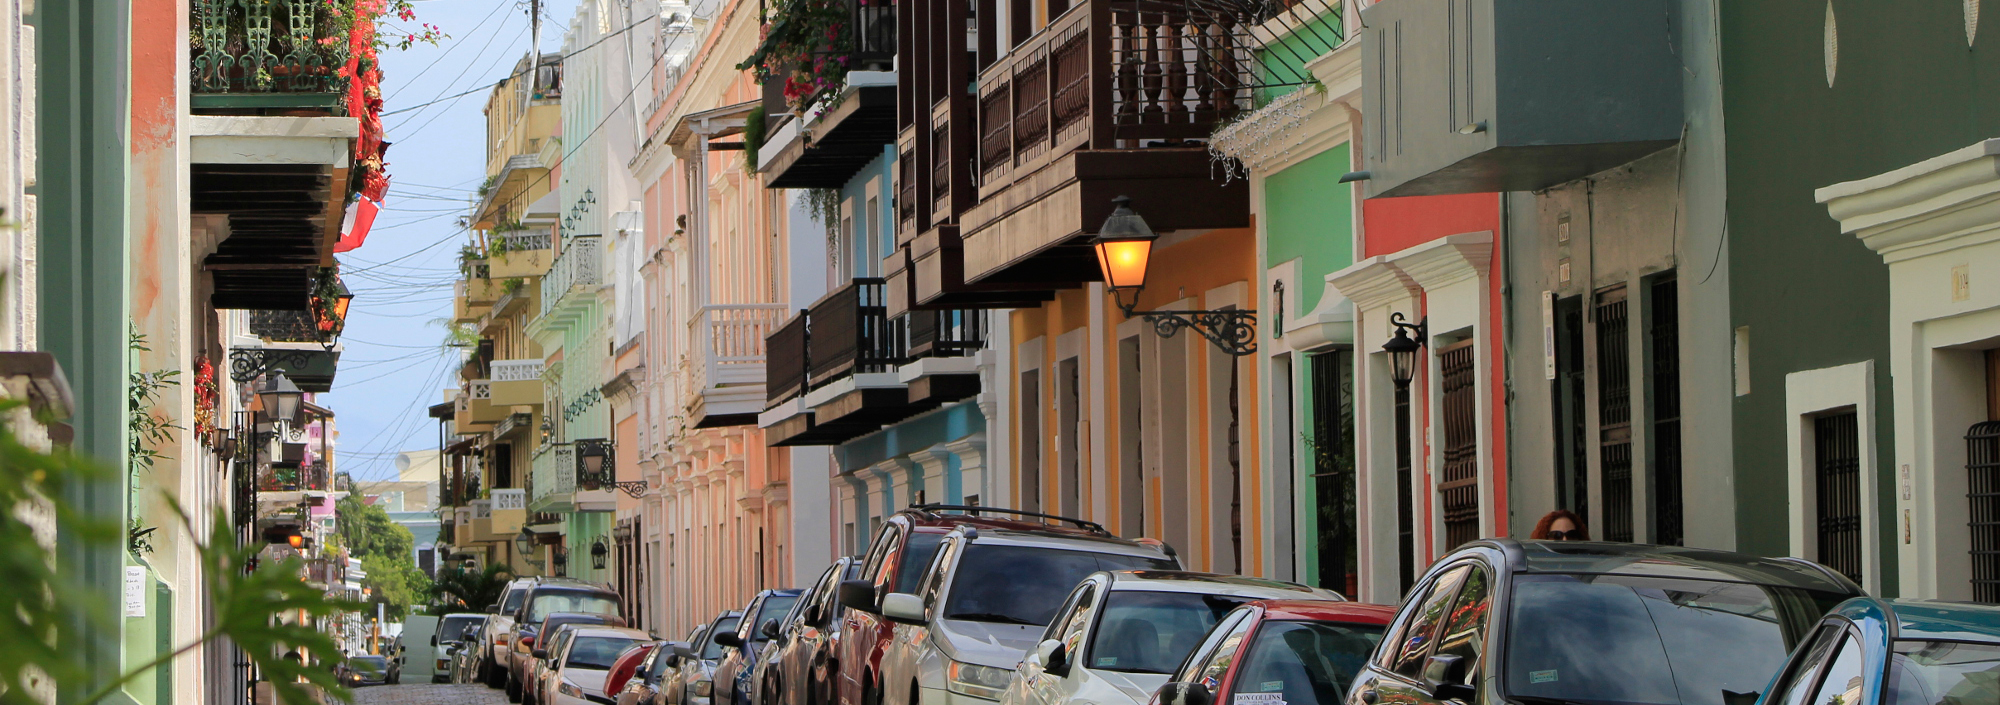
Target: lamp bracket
632,488
1232,330
1419,331
246,364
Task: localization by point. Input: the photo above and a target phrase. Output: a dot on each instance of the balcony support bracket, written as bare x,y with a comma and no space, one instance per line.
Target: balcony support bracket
1234,331
246,364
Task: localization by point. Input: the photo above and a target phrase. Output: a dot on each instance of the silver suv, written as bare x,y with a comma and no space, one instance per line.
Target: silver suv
985,601
497,638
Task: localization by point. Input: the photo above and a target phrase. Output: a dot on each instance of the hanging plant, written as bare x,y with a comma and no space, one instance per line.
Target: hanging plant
207,392
808,47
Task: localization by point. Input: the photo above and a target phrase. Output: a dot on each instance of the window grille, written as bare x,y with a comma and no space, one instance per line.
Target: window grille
1614,413
1666,400
1837,484
1983,490
1458,489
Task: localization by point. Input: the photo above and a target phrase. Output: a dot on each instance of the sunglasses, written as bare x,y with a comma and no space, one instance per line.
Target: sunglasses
1571,535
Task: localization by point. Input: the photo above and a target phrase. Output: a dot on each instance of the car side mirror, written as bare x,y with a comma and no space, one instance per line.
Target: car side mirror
1185,694
540,653
434,640
1444,678
1053,657
770,629
903,608
681,650
493,608
729,639
858,595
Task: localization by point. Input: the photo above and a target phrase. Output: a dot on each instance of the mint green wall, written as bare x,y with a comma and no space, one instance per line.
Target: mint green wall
1285,59
1308,215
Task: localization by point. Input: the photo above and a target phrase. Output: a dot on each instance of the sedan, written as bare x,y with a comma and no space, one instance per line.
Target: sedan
576,675
1279,652
369,670
1596,623
1119,634
1870,651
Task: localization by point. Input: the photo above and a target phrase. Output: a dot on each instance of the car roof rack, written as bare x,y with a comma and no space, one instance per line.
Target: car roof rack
974,509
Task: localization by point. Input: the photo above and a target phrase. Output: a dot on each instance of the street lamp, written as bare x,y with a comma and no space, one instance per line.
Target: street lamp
280,398
524,542
1402,349
548,429
1124,252
598,553
596,470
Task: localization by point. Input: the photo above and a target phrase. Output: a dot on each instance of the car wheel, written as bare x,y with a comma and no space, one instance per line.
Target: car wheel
513,689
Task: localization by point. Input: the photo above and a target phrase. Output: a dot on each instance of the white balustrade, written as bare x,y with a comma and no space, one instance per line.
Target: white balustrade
517,370
577,266
729,343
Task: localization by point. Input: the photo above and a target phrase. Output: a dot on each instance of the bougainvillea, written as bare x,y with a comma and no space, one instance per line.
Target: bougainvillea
808,46
206,393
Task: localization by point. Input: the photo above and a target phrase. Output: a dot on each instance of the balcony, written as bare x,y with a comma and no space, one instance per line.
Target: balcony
1513,95
724,381
516,383
552,480
480,403
939,367
293,63
573,273
517,254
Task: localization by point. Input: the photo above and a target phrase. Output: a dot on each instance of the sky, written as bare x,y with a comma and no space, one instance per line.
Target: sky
395,364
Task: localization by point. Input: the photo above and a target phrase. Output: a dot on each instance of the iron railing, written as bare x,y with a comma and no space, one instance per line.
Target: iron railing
1837,485
948,333
267,46
1614,413
285,326
1668,528
577,266
1982,470
1458,489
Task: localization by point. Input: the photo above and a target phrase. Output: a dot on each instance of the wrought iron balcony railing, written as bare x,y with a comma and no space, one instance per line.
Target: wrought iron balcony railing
267,47
285,326
852,333
576,266
948,333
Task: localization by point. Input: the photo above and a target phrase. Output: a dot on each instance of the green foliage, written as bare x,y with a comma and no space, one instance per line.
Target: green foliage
387,551
460,590
486,186
753,136
807,47
145,431
457,336
823,204
41,599
513,285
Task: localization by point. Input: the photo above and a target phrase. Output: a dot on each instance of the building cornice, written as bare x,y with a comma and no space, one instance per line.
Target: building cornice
1372,282
1937,204
1447,260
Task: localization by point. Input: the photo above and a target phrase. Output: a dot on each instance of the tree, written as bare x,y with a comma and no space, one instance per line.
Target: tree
386,550
459,590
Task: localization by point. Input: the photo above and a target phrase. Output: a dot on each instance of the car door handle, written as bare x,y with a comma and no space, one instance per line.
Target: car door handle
1369,696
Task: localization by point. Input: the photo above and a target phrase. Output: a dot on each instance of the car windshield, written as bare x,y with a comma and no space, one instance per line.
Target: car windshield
588,602
774,607
455,628
1311,663
1011,584
1150,632
710,650
369,664
597,651
1625,640
1943,673
513,602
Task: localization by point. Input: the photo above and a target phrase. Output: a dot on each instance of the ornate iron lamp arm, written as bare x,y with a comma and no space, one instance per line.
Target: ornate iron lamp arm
246,364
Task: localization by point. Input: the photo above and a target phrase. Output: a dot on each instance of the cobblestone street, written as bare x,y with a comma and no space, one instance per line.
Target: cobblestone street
429,694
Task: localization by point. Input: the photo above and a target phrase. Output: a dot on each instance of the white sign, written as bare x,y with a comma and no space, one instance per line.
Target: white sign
135,591
1549,334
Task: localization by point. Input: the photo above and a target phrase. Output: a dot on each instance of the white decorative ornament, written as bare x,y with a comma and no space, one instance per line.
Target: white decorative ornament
1971,22
1832,45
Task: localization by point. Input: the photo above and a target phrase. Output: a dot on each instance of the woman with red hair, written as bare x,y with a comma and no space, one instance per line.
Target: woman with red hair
1560,525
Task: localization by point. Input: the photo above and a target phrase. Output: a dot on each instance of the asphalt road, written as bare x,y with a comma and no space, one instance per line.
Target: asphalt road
429,694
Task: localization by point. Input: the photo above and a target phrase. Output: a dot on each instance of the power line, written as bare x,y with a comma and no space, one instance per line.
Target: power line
504,79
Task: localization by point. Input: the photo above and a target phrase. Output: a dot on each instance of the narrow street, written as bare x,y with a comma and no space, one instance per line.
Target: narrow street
429,694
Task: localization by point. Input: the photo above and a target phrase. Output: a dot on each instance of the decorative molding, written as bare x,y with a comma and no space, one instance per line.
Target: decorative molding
1447,260
1832,45
1939,203
1372,282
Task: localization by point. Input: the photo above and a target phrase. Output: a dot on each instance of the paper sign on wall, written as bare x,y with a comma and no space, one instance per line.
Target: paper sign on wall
135,591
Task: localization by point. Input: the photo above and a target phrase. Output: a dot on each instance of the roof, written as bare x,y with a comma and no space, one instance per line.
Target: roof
1666,562
1326,611
1935,620
1216,584
1064,539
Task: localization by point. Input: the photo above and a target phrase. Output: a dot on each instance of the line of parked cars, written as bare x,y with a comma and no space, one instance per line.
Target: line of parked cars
980,606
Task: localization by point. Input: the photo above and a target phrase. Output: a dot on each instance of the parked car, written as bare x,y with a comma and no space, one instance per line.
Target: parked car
546,597
369,670
1277,651
1871,651
643,688
532,686
555,625
801,663
985,600
576,674
496,642
1120,634
692,682
467,661
451,636
894,563
742,646
673,682
1596,623
626,666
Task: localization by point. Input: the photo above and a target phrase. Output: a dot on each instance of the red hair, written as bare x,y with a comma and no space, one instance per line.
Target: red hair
1542,527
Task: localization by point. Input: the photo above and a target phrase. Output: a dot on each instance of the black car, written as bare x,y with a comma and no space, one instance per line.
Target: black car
1563,622
370,670
760,622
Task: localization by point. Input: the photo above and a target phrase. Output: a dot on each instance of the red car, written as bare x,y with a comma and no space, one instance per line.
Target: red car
1282,652
895,561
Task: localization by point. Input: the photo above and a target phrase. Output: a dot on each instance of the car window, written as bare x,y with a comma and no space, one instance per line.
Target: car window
1141,631
879,551
939,568
598,652
774,606
917,555
1069,607
1310,663
1071,633
1191,666
1578,637
1802,676
1012,584
1216,664
1942,673
513,602
1842,683
710,650
589,602
1415,641
881,562
1464,633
